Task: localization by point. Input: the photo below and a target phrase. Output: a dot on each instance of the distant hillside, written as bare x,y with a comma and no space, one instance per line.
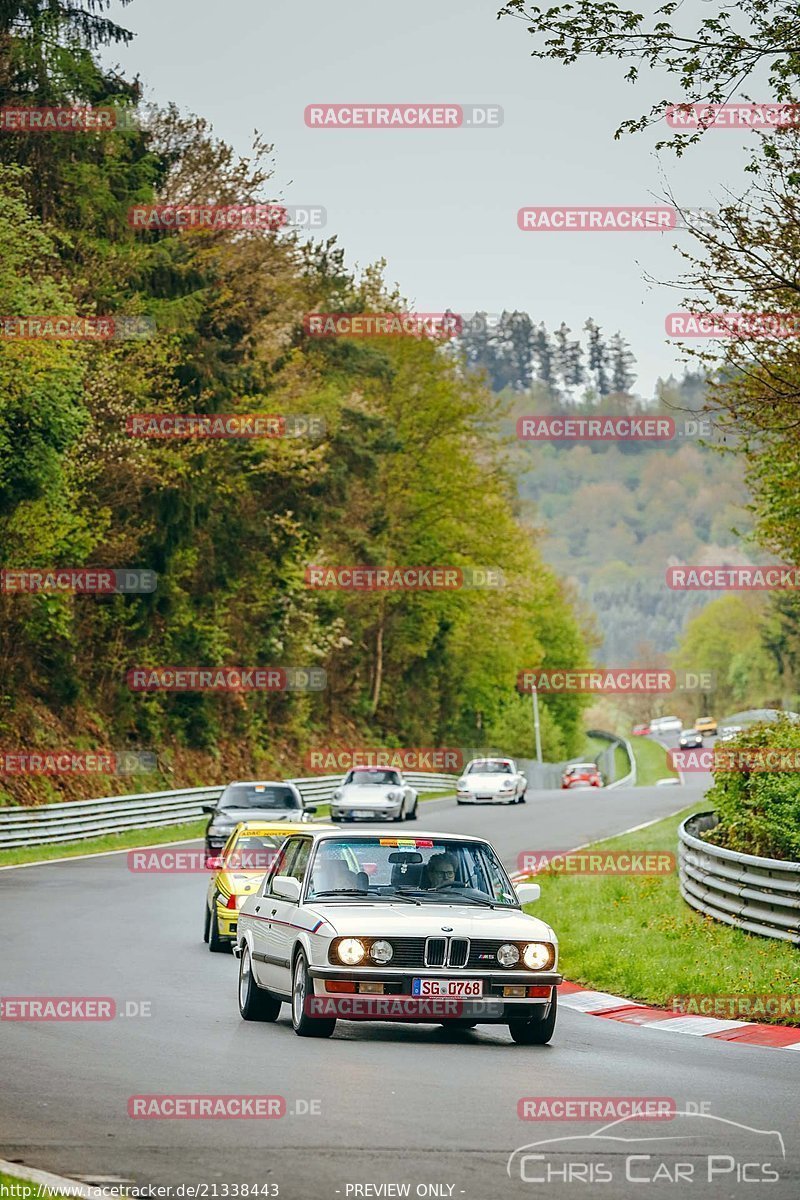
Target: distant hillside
617,513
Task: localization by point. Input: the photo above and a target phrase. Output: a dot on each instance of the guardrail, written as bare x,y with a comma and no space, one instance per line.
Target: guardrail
76,820
628,780
758,895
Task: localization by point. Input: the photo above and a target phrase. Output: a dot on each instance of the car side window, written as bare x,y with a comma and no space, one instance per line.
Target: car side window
300,861
282,864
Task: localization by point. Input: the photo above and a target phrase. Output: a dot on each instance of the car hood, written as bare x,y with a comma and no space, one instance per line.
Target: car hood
368,795
382,919
486,783
239,883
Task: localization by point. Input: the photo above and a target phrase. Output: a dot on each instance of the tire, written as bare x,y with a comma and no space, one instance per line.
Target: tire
400,816
335,820
216,944
535,1031
523,797
207,925
460,801
412,816
302,987
255,1004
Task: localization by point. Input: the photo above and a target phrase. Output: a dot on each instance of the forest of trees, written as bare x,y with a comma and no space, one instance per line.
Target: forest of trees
515,354
410,470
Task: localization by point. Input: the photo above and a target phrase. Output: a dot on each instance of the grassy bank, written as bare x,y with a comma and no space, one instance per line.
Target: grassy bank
636,937
133,838
651,762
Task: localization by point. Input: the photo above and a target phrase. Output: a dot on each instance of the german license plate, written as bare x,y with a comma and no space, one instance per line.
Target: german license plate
447,987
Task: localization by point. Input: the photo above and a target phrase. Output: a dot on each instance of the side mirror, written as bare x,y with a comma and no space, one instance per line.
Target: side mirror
309,808
208,808
287,887
527,893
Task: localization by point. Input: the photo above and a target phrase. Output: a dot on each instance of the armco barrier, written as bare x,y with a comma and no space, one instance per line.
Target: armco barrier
78,819
758,895
607,766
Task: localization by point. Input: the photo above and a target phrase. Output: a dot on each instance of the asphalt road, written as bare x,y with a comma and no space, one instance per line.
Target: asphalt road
377,1104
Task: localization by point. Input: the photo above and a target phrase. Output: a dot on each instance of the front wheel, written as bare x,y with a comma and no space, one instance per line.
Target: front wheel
535,1031
254,1003
216,944
412,816
302,991
207,924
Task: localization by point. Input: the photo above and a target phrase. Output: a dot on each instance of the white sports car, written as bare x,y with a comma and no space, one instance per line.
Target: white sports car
491,781
374,792
426,928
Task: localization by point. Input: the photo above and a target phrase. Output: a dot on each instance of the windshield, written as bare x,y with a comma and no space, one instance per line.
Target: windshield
276,796
489,766
250,852
369,777
427,870
581,767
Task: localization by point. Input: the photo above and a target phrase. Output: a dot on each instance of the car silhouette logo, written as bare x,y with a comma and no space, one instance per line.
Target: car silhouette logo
447,929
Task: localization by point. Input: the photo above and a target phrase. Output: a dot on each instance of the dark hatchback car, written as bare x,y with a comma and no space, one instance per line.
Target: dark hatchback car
253,801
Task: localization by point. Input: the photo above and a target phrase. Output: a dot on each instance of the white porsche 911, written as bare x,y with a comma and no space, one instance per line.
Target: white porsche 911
429,928
491,781
374,792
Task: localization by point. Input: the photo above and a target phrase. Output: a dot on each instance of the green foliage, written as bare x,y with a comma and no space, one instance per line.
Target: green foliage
412,469
759,810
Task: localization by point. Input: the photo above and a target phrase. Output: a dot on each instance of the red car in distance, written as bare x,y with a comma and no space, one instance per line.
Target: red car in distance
581,775
640,730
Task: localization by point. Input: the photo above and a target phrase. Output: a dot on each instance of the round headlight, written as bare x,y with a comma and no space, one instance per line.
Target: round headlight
462,785
381,951
537,955
507,955
350,951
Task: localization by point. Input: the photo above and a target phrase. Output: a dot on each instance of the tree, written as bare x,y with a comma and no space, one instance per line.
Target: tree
711,63
621,360
598,358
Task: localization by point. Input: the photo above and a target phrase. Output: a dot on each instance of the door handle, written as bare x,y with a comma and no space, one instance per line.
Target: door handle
274,911
258,908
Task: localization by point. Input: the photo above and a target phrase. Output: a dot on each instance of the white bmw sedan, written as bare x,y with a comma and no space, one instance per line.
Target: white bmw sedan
429,928
379,792
491,781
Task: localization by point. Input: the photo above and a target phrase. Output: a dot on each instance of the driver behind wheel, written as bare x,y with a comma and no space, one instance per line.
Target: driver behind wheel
441,869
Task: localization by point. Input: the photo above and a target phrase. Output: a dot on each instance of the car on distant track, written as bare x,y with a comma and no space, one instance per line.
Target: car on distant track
640,730
668,781
427,928
730,731
256,800
582,775
666,725
374,792
690,739
706,726
491,781
237,871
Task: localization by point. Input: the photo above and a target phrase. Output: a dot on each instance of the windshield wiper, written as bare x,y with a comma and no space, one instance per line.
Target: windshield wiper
340,892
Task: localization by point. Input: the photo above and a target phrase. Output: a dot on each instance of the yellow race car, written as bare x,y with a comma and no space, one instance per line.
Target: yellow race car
238,870
706,726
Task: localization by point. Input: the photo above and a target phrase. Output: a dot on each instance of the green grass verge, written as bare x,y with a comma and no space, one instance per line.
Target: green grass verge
636,937
133,838
651,761
596,746
23,1189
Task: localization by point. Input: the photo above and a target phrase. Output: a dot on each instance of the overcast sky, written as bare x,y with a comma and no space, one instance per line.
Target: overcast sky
440,205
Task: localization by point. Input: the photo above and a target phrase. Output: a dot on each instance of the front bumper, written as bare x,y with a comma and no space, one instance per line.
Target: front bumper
348,813
486,797
493,1005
